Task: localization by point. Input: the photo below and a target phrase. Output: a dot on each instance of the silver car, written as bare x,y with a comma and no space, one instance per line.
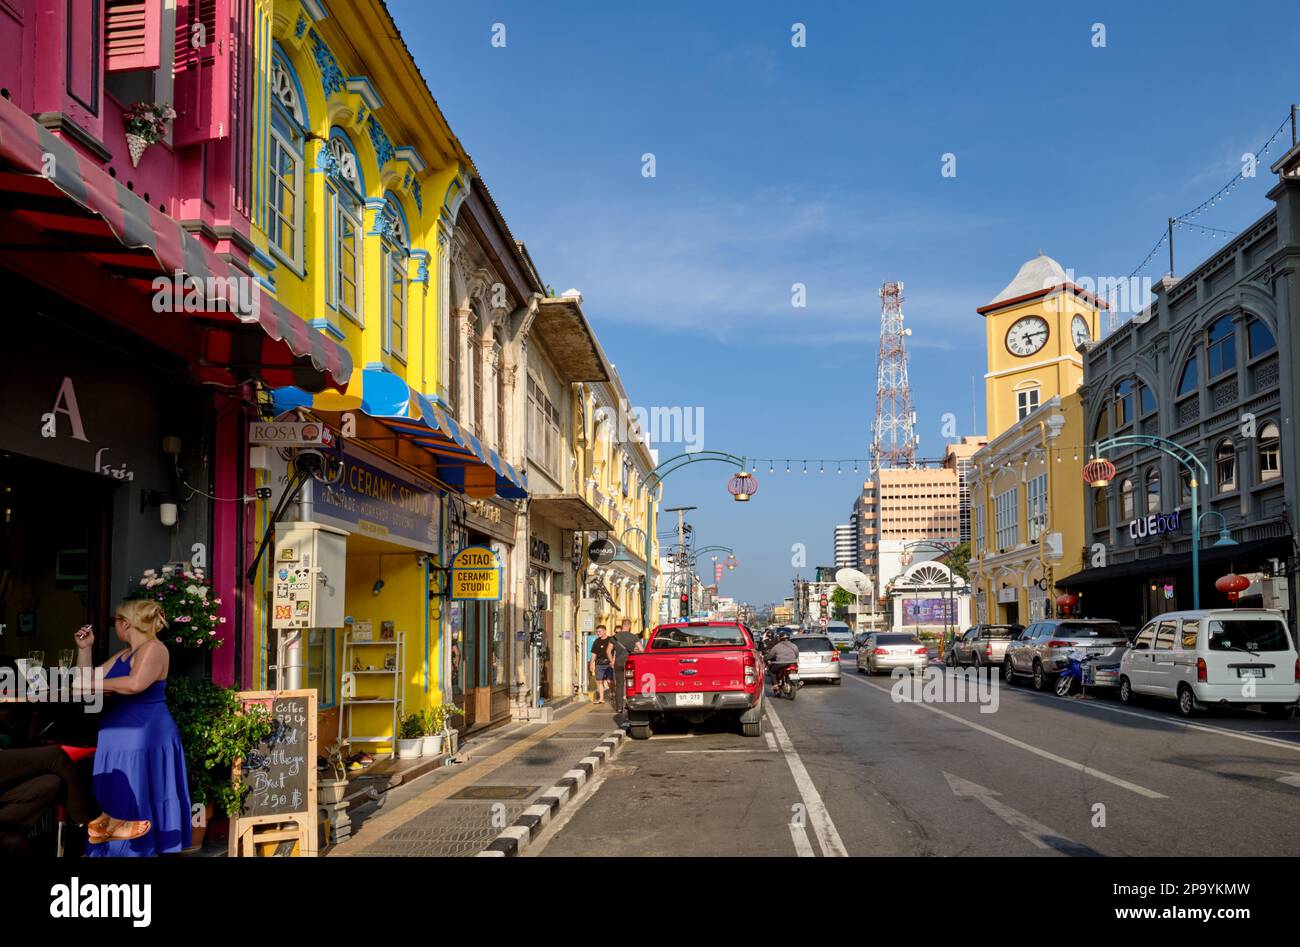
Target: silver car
886,650
983,646
1044,649
819,660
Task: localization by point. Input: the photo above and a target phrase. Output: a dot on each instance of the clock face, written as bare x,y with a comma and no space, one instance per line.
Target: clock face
1079,331
1026,336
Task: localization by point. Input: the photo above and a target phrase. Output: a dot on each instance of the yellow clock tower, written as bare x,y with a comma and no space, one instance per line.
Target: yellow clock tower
1034,328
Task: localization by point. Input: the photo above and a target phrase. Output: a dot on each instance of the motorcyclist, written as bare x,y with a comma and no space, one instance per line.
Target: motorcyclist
780,656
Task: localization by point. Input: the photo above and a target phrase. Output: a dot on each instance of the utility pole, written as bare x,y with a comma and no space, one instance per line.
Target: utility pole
684,572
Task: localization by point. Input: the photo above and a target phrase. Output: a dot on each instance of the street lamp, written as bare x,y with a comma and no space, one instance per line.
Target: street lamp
1192,463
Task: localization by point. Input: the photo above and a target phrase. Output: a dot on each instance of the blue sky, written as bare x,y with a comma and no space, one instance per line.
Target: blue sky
821,165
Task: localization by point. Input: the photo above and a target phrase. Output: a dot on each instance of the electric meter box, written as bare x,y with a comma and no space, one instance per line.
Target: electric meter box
308,576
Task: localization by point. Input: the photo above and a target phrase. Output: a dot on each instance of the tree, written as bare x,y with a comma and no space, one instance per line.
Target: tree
958,561
840,602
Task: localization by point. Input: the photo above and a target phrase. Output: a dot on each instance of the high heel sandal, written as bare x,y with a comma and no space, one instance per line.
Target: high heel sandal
122,832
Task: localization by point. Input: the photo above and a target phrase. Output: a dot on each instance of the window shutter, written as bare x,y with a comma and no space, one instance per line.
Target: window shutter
132,34
204,39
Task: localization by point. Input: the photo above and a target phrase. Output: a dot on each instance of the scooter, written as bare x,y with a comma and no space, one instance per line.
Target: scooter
787,684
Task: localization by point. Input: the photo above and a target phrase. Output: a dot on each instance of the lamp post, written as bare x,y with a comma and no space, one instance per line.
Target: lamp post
1101,478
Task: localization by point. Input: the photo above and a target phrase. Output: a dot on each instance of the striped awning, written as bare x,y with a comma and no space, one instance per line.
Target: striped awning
77,207
460,460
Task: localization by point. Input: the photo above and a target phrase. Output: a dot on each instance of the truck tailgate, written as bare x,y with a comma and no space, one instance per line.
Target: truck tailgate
700,670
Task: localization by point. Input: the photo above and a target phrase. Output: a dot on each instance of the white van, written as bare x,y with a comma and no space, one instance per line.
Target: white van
1236,657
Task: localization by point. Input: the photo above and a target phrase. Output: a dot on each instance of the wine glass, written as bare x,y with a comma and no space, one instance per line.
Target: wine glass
36,660
67,657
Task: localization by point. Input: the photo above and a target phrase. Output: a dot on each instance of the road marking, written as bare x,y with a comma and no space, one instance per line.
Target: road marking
771,740
1037,833
803,848
757,749
823,827
1029,748
1291,779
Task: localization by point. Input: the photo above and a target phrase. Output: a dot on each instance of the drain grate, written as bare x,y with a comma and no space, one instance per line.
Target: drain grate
495,792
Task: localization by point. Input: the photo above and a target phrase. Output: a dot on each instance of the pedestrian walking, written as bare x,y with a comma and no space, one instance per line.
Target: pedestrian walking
626,642
601,662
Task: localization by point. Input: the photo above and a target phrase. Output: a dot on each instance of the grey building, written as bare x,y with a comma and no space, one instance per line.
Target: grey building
1212,365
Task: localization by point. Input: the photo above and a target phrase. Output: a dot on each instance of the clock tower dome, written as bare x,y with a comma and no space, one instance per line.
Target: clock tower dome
1034,328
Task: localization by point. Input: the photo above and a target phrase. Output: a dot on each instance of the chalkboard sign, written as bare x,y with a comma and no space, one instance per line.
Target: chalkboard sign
280,773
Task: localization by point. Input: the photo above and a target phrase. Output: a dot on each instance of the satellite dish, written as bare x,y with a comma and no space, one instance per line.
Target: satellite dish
602,552
853,581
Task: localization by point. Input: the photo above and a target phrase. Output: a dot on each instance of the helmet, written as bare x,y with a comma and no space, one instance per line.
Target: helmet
784,636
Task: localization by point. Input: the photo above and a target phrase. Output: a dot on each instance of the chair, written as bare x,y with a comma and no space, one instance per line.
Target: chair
76,754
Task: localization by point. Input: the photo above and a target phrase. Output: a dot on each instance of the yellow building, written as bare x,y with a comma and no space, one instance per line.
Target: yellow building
1027,494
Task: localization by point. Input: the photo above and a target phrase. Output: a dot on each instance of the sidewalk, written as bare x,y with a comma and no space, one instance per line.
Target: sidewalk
460,810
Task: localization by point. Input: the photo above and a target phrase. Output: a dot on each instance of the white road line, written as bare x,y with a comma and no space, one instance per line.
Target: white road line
771,740
1029,748
823,827
757,749
803,848
1036,833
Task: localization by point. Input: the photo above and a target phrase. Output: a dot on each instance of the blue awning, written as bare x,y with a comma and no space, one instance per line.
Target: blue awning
462,462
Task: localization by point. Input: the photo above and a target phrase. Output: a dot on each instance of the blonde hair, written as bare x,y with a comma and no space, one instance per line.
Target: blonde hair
143,615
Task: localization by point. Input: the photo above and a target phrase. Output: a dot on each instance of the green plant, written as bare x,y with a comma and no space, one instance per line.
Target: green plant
440,717
149,120
192,617
215,729
412,728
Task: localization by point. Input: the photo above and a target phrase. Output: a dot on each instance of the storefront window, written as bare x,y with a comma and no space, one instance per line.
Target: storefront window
456,634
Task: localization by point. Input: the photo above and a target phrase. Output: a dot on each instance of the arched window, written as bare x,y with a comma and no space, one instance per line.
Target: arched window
1220,347
1261,339
284,192
498,350
1188,381
474,352
1225,467
1270,454
1153,490
343,194
1101,429
390,225
1101,507
1126,511
1123,403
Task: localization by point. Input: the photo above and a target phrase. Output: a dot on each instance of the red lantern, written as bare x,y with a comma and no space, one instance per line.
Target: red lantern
1232,585
1065,602
742,486
1099,473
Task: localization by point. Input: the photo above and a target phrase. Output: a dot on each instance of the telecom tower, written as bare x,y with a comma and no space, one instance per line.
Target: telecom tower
893,440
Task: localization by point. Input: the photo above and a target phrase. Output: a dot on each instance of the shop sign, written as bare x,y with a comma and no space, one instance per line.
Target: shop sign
1006,596
1157,524
476,574
487,517
290,433
372,498
539,550
488,511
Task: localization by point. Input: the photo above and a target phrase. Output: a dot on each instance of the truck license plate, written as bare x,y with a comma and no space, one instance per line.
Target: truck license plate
1250,672
690,700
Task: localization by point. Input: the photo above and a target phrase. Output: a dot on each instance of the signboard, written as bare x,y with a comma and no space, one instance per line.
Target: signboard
928,611
280,774
1157,524
1006,596
476,574
377,499
602,552
290,433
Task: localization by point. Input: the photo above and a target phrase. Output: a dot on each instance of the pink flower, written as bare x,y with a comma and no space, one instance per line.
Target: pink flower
211,633
222,619
178,640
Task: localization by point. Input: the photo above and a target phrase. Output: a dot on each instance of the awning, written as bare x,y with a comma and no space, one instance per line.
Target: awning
569,511
77,207
415,429
1239,553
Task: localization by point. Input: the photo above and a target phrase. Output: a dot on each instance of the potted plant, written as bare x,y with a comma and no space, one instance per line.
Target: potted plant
192,616
330,792
410,739
146,124
447,712
431,731
215,730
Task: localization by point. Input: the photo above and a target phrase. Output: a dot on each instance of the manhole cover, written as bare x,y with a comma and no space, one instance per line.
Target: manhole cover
495,792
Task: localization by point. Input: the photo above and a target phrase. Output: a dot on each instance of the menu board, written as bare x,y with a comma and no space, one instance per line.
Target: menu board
280,772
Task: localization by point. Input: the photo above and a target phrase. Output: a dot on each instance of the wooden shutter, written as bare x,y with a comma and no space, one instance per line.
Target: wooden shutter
132,34
202,72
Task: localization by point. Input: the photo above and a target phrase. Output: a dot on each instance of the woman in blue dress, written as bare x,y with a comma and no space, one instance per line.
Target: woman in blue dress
139,771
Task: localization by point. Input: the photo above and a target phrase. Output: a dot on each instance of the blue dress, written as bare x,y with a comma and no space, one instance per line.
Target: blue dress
140,770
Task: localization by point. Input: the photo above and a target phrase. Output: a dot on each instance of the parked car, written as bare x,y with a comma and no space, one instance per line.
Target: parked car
696,669
819,659
886,650
1236,657
840,634
1044,649
983,645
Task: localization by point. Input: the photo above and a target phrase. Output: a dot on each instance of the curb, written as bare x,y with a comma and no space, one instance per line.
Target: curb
517,837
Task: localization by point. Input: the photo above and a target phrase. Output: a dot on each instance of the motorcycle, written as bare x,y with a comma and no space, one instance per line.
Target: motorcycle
1084,672
788,682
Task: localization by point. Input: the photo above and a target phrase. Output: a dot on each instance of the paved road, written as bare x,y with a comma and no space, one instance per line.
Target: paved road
862,774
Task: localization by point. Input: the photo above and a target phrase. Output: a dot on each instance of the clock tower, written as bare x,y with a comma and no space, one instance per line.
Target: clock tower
1033,330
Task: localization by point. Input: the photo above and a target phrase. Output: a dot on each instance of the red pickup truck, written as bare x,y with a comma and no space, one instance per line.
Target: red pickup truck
695,669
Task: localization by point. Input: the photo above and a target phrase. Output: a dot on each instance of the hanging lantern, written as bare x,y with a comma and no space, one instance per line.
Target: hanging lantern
1232,585
1066,602
731,563
742,486
1099,473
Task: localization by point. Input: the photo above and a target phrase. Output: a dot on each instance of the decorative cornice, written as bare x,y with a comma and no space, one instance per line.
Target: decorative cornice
331,76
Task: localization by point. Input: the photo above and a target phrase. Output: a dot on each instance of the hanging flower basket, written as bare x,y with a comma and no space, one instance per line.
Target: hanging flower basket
192,614
146,123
